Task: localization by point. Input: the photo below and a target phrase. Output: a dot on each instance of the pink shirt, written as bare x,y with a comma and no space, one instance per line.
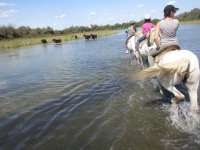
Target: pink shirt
146,27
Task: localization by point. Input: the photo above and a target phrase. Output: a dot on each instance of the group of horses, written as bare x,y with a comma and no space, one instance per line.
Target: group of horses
44,41
91,36
57,41
171,68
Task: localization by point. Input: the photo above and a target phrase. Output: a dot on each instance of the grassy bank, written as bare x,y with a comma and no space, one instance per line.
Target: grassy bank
190,22
19,42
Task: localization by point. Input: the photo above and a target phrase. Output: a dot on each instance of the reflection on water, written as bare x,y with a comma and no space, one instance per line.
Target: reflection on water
82,95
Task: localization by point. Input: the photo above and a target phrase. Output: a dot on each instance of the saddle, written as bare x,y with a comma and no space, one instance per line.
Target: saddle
167,49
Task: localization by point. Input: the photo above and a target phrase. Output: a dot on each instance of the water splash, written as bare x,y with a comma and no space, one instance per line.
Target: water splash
184,120
141,83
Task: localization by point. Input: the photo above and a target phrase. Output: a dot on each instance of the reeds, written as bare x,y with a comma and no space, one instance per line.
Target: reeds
20,42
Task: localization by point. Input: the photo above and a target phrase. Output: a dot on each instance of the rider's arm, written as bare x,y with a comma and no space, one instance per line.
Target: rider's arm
156,36
142,29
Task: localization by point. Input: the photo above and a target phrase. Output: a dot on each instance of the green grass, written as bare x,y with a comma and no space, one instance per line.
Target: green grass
190,22
20,42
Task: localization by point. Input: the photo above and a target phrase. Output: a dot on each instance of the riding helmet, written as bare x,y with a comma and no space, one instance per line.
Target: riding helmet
147,16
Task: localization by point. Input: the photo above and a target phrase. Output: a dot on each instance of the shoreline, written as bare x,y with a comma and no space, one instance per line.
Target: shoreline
190,22
23,42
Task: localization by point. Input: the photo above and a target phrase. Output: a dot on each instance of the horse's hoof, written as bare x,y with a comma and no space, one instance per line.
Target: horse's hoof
174,104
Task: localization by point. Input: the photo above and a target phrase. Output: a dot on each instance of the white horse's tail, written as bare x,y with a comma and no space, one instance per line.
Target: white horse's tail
180,67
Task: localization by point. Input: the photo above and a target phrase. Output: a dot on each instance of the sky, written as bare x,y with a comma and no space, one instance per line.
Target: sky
60,14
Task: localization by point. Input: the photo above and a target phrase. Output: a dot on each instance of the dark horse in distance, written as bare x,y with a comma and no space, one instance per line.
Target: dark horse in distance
43,41
57,40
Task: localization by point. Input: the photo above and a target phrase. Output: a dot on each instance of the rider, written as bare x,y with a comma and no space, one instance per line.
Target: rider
166,29
145,29
131,31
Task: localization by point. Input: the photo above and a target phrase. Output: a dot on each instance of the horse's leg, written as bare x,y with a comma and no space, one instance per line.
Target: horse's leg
178,95
135,56
192,84
176,79
170,83
138,57
141,61
131,54
157,87
192,90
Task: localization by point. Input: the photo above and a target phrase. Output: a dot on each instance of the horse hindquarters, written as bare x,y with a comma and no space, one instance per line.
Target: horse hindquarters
131,43
131,47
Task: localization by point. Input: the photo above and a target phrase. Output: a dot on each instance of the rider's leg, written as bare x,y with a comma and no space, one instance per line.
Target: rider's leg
153,52
140,40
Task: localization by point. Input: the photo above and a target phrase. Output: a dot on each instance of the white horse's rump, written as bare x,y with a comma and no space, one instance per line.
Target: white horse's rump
131,48
172,69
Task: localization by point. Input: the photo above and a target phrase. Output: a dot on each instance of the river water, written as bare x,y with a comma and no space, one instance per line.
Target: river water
82,95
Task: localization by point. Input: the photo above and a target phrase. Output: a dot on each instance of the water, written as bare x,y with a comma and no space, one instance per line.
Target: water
82,95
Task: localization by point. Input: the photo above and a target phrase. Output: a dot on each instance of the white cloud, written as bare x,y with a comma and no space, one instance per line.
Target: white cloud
140,5
60,16
92,13
7,4
7,13
171,2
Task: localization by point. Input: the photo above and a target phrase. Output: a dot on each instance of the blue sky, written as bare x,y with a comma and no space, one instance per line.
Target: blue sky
60,14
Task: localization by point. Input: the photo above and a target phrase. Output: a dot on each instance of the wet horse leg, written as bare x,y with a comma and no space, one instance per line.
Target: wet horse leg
139,58
192,84
131,54
192,90
170,83
178,95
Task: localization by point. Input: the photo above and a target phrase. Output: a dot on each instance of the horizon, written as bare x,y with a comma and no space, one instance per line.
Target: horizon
62,14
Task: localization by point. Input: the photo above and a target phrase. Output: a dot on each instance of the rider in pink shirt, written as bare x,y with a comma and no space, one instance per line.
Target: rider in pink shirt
145,29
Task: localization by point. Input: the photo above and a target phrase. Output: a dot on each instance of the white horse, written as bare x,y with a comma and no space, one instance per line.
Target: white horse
173,68
132,50
143,47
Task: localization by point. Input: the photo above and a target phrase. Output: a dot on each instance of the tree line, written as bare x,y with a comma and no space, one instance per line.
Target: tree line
10,32
194,14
